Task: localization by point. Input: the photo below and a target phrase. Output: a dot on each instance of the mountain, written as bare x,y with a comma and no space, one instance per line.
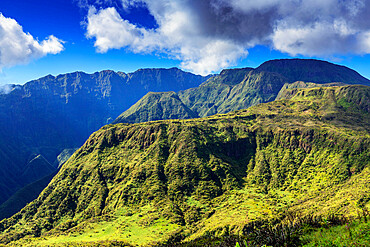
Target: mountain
54,113
64,156
236,89
215,96
179,180
312,70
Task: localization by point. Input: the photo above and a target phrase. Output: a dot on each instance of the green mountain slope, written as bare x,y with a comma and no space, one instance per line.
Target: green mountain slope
301,84
237,89
156,106
215,96
183,179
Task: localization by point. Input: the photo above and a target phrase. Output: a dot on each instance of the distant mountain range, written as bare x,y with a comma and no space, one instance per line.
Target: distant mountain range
43,117
236,89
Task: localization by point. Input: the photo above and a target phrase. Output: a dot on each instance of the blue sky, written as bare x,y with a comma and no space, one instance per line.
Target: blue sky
198,36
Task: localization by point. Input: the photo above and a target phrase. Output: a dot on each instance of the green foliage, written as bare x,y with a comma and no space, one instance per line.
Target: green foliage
156,106
351,234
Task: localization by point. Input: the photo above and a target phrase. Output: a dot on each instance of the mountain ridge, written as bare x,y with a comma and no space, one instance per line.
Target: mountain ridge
235,89
53,113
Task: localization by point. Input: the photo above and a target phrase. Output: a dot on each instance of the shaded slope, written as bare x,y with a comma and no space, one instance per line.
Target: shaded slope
156,106
48,115
36,168
23,196
210,175
312,70
233,76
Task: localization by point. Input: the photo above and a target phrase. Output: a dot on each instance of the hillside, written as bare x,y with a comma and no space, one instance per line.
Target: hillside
36,168
184,179
236,89
301,84
54,113
156,106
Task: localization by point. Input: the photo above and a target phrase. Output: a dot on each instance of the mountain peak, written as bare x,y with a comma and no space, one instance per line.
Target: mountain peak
312,70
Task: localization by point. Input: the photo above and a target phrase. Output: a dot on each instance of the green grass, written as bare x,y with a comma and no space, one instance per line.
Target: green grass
352,234
127,225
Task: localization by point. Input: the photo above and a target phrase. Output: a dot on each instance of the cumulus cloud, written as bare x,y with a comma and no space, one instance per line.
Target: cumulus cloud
178,36
112,32
18,47
208,35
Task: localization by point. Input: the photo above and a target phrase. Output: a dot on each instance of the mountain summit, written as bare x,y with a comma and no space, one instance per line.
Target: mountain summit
312,70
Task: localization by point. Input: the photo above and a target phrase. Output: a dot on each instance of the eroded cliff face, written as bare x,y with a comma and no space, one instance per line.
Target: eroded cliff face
46,116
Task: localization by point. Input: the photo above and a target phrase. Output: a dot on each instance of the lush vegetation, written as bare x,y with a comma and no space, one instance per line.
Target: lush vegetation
294,230
185,180
156,106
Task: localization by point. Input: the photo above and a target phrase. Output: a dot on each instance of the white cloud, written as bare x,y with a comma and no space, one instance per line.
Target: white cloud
214,56
112,32
18,47
209,35
255,5
319,39
177,36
